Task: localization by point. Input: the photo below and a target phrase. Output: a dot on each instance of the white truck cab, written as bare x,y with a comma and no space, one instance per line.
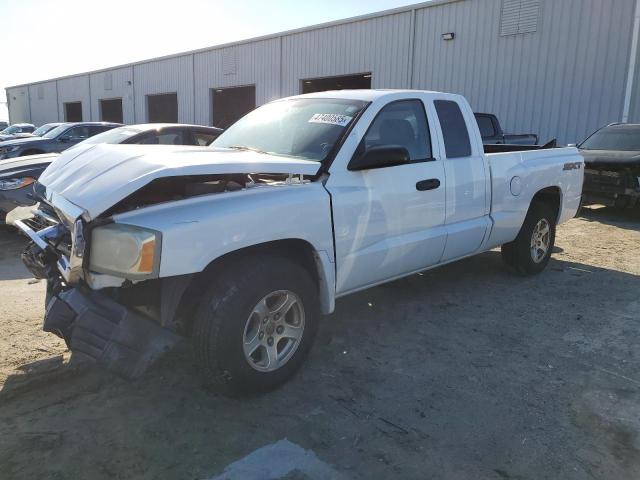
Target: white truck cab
244,244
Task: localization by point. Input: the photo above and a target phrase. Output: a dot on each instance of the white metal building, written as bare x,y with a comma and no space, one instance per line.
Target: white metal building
559,68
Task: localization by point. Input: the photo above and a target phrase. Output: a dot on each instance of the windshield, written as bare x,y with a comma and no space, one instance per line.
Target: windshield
54,132
10,130
116,135
624,138
305,128
38,132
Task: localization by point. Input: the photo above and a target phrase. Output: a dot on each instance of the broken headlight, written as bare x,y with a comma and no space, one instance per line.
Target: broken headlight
125,251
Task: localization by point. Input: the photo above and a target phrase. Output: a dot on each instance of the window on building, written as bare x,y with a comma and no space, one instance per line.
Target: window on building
162,108
73,112
111,110
519,16
454,129
342,82
231,104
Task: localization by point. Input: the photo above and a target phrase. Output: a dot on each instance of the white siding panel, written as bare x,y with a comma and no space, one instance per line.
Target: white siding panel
165,76
378,45
564,81
18,104
109,84
75,89
256,63
44,103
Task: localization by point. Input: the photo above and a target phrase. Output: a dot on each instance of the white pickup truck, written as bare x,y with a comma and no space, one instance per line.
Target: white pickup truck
241,246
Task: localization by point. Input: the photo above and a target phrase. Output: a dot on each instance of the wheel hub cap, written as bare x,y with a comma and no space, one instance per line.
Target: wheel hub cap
273,330
540,240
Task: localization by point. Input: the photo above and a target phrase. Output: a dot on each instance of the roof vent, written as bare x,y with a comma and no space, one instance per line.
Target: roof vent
229,61
519,16
108,81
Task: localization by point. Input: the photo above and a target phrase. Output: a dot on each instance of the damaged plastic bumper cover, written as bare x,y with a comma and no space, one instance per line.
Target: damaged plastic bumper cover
116,337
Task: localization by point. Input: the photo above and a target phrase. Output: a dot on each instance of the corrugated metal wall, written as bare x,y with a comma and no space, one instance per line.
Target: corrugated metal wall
564,80
111,84
378,45
74,89
255,63
172,75
18,104
44,103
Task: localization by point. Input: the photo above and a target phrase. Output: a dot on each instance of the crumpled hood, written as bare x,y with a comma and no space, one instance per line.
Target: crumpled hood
610,158
96,178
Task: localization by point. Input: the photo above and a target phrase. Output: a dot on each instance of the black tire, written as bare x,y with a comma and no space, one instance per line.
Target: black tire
220,321
517,254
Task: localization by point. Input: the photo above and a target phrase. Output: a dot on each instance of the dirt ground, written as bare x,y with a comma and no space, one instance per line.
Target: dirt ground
464,372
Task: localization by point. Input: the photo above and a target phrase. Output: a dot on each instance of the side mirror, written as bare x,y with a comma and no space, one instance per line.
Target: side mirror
380,156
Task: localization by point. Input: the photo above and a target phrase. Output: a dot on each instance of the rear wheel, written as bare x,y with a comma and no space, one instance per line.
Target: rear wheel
530,252
256,324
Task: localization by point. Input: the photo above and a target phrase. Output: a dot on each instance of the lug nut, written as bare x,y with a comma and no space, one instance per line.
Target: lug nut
270,341
265,319
277,315
261,335
280,329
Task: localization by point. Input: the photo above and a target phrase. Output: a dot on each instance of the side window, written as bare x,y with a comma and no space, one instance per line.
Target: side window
404,124
162,138
454,129
77,133
203,139
485,124
96,129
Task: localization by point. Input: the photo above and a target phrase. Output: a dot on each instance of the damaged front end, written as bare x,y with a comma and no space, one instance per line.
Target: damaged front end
611,185
102,324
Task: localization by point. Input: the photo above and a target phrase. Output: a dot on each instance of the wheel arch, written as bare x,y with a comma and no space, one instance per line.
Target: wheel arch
551,196
317,263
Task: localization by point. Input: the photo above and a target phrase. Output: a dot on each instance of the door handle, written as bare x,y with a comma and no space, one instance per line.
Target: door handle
430,184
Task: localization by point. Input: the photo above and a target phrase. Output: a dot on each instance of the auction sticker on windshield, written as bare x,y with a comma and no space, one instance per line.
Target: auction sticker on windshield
331,118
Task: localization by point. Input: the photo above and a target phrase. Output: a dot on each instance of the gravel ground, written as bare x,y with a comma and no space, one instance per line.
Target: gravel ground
465,372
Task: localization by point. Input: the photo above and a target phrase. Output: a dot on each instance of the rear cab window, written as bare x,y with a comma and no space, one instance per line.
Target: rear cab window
454,129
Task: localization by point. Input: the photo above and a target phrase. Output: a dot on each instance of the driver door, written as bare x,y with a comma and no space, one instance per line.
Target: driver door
389,220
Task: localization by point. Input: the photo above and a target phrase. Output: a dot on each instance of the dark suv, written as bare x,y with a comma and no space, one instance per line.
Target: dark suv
55,140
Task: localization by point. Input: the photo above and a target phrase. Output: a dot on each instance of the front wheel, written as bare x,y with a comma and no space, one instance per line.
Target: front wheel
256,324
530,252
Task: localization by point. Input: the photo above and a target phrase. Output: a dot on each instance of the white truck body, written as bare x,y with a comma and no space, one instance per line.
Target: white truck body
364,227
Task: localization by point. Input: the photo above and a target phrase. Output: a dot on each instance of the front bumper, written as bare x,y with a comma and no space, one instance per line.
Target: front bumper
611,187
10,199
92,322
114,336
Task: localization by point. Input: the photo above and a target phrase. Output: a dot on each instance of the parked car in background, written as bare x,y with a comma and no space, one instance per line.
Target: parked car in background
41,130
17,175
16,129
492,133
612,166
55,140
244,244
38,132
